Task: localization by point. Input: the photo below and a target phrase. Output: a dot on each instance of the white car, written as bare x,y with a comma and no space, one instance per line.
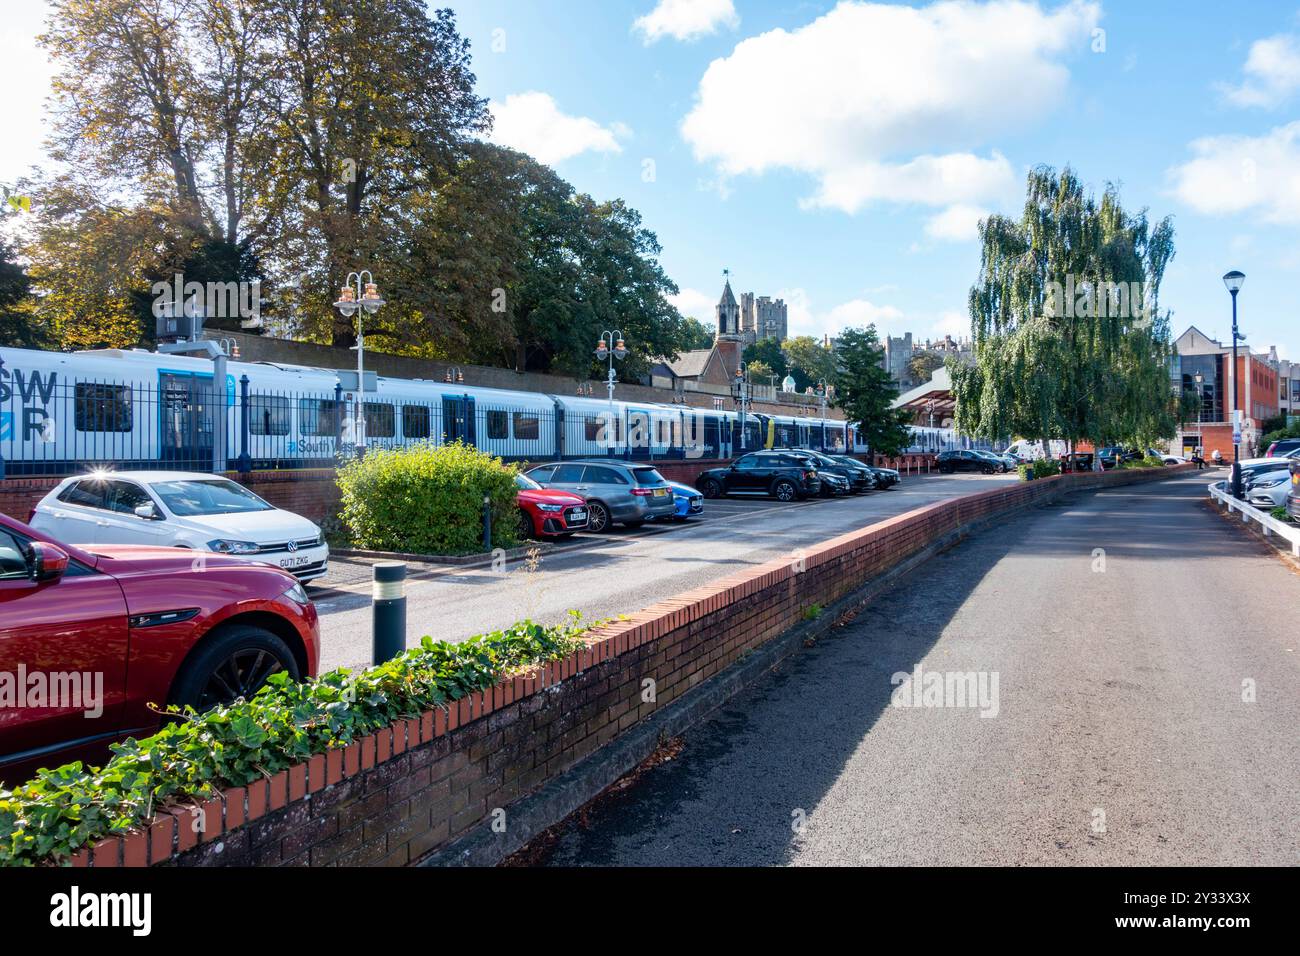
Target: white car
182,510
1269,490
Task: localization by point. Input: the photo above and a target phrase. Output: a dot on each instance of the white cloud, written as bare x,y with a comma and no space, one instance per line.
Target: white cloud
1272,71
533,123
882,103
959,223
1241,174
686,19
696,304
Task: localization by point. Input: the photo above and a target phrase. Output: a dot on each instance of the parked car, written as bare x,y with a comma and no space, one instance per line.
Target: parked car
627,493
1269,489
1285,447
548,513
875,477
1077,461
833,485
180,509
687,501
855,479
1113,454
782,475
886,477
964,460
1008,462
121,627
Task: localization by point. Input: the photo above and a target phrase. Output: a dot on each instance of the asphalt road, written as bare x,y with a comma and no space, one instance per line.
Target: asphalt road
1121,736
622,572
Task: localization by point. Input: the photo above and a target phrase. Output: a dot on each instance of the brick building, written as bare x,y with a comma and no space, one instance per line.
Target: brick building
1204,366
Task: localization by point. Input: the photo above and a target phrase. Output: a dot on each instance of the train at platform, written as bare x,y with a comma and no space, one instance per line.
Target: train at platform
61,412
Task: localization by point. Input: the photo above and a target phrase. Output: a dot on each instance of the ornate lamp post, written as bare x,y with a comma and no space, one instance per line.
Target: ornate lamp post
352,301
611,347
742,391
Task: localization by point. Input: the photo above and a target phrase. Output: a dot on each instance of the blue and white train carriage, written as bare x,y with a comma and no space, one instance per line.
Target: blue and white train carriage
63,412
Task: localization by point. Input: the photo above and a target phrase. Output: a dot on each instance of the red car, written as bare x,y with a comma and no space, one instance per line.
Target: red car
90,638
545,513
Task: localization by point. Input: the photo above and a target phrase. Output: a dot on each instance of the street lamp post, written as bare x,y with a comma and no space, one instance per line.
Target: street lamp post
611,346
825,394
742,390
352,301
1233,281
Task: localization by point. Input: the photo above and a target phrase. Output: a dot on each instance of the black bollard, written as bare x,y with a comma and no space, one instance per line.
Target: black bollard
388,617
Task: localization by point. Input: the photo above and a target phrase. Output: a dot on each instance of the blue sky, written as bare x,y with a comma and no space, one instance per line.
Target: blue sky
839,155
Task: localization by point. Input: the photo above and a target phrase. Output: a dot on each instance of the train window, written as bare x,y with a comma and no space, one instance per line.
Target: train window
318,416
498,425
102,408
381,420
415,421
268,415
595,429
527,426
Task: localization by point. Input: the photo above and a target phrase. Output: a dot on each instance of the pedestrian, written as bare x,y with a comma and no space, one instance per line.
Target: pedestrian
1218,458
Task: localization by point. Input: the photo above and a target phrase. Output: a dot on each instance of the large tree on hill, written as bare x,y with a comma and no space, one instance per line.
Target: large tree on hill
865,392
1069,341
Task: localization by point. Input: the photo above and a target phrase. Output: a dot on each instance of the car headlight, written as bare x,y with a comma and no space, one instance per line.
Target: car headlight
224,546
541,507
1271,483
297,594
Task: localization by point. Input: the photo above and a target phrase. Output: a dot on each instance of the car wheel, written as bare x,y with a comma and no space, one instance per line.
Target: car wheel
526,529
784,491
234,662
597,517
711,488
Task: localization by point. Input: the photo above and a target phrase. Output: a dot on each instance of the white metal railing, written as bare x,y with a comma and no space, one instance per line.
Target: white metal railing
1270,524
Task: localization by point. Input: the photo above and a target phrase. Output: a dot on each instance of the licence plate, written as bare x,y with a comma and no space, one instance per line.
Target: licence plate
578,514
661,492
295,562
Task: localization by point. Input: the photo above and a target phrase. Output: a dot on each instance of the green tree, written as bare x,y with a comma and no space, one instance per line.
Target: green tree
1063,348
924,364
768,353
697,335
20,326
864,391
809,361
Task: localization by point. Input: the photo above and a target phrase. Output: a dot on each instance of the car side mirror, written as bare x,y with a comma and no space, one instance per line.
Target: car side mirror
146,511
46,562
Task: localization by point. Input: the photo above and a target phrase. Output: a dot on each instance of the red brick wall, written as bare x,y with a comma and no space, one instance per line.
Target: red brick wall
420,784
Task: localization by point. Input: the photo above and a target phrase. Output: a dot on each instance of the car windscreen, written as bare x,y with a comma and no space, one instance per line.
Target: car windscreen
217,496
523,481
648,476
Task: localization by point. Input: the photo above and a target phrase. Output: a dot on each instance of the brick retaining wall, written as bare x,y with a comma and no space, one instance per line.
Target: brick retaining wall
418,786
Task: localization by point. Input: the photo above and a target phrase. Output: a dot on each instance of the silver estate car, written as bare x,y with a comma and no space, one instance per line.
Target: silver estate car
626,492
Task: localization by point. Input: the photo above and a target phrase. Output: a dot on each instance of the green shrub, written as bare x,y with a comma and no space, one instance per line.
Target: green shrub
1039,468
428,499
1280,513
283,724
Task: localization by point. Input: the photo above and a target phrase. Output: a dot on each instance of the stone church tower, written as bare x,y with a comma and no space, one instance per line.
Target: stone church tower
728,311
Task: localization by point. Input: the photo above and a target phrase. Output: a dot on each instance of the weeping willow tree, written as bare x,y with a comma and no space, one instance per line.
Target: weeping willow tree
1069,340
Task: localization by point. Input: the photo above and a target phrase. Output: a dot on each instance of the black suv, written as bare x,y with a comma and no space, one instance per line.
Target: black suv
786,476
858,477
964,460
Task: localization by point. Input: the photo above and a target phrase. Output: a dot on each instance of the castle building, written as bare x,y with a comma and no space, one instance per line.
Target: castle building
762,317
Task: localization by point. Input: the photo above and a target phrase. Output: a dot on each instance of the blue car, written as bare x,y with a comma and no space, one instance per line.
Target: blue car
688,501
